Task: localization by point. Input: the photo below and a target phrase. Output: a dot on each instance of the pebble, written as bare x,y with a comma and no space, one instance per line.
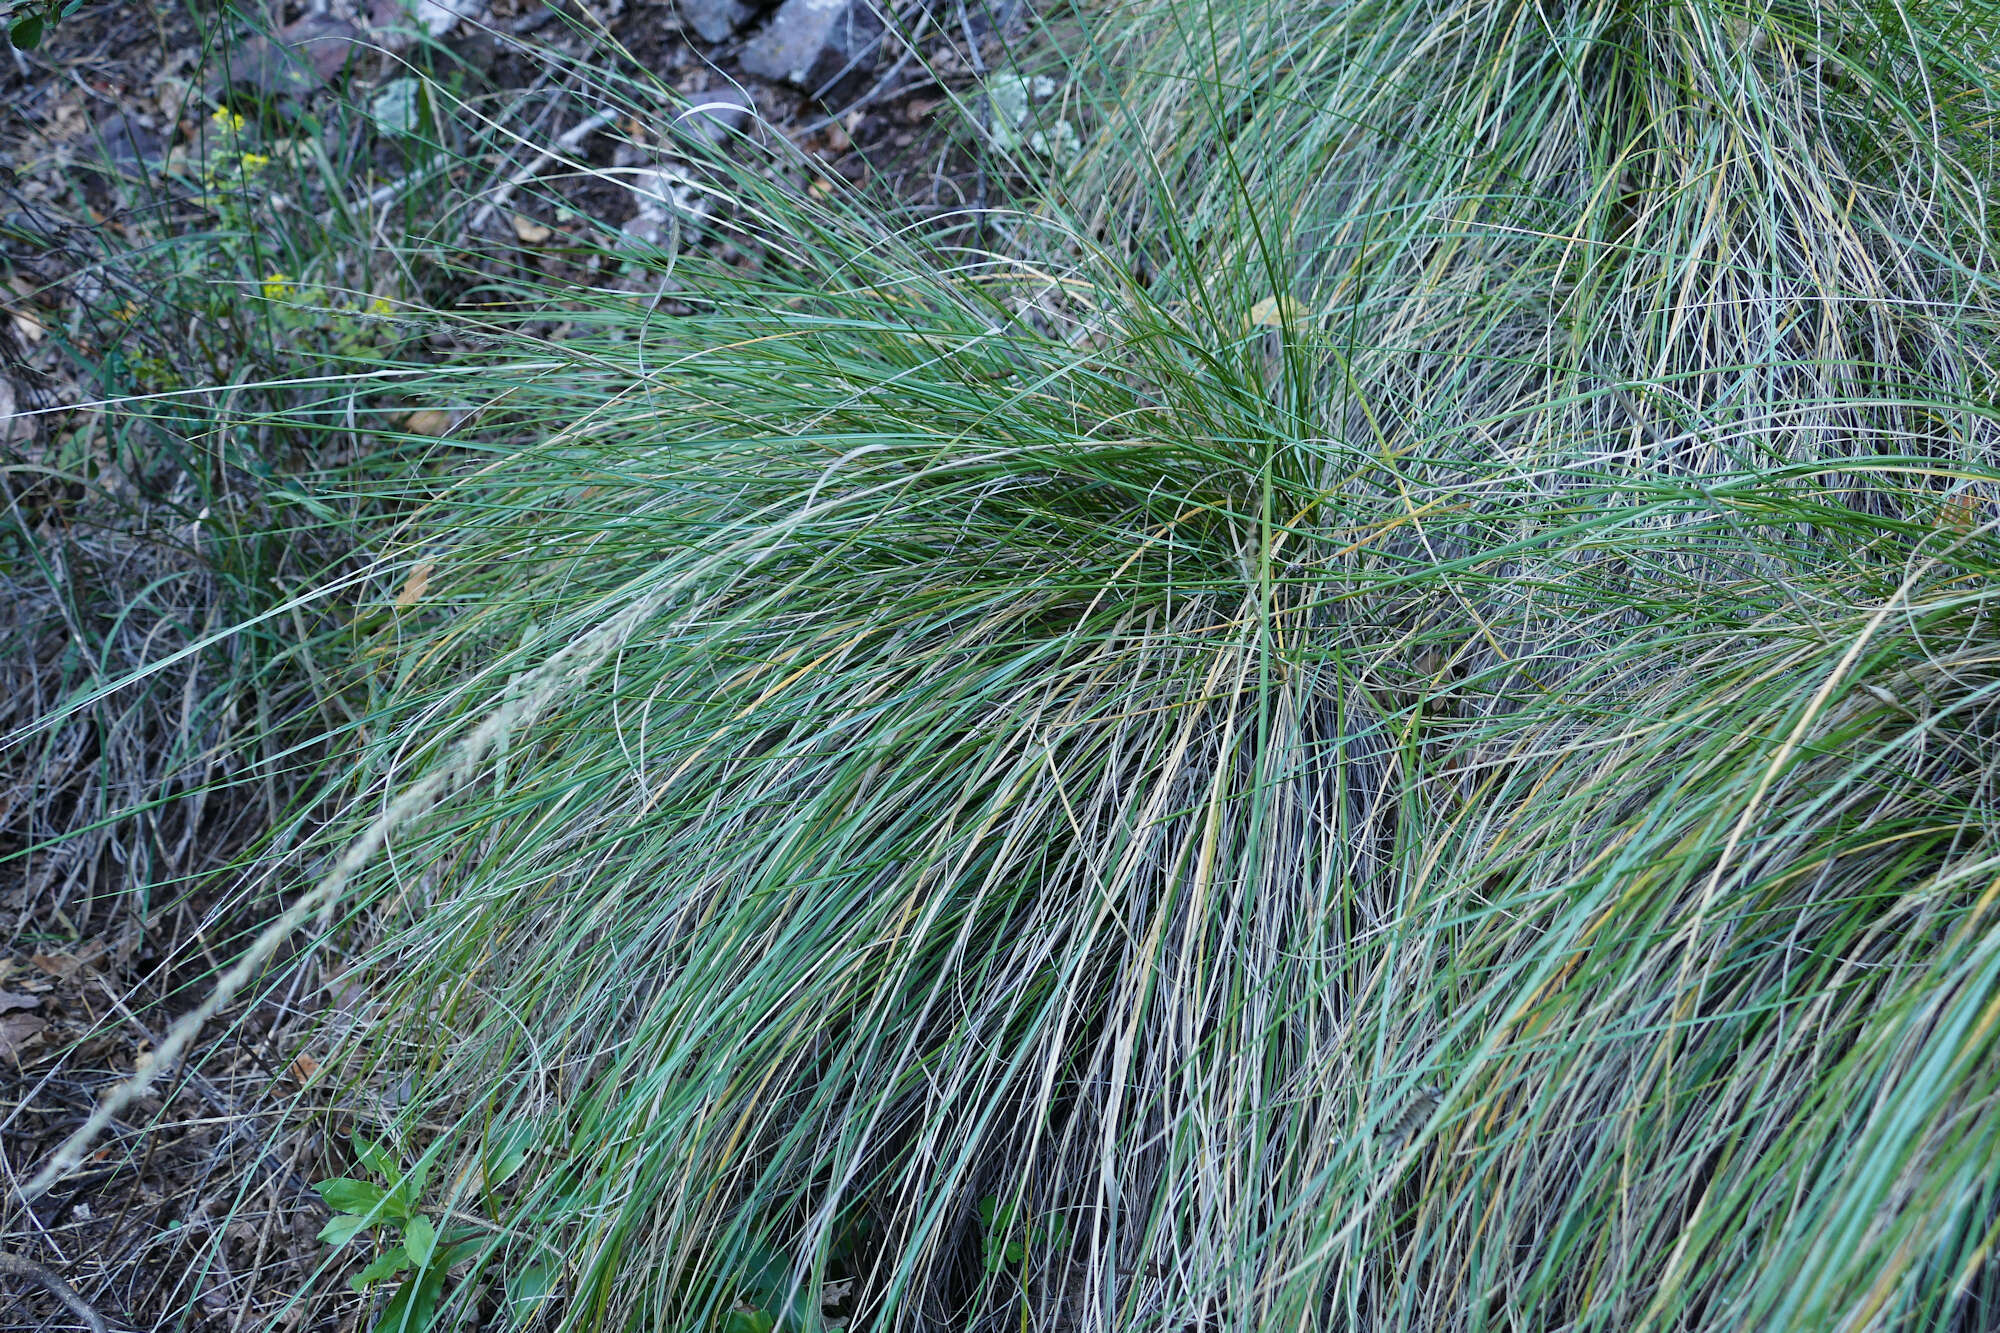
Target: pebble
809,43
717,20
439,17
663,192
715,116
124,140
15,426
301,59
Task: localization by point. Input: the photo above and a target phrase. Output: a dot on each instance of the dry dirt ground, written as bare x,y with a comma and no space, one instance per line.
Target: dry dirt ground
113,820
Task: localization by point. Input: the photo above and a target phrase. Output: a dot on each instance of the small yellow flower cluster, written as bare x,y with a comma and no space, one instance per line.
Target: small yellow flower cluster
279,287
227,158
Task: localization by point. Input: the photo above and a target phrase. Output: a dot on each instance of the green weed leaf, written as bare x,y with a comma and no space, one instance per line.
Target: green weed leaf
27,33
375,1157
527,1289
384,1265
997,1223
506,1149
410,1309
350,1196
412,1186
343,1228
767,1279
420,1238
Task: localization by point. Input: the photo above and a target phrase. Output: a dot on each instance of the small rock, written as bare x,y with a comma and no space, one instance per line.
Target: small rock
395,24
810,43
712,117
300,60
389,24
15,426
123,141
666,190
717,20
439,17
648,229
664,194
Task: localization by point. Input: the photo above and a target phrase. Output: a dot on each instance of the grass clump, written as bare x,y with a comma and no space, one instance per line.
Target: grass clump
1383,721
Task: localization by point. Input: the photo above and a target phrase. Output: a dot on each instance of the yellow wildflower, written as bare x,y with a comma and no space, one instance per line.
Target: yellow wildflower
254,162
227,121
278,286
379,305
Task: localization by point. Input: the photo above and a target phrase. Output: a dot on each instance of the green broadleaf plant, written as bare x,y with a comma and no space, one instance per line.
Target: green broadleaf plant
418,1248
25,30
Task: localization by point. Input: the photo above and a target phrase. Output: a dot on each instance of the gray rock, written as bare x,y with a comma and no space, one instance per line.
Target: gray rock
667,203
648,230
666,188
717,20
15,425
714,116
123,140
809,43
439,17
300,60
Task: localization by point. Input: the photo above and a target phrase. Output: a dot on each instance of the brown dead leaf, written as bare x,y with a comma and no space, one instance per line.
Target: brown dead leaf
531,231
171,94
11,1000
429,421
289,152
19,1032
413,588
1274,312
1961,512
58,965
302,1068
70,120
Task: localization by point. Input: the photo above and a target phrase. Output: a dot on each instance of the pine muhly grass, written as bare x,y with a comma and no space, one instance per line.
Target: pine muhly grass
1376,713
